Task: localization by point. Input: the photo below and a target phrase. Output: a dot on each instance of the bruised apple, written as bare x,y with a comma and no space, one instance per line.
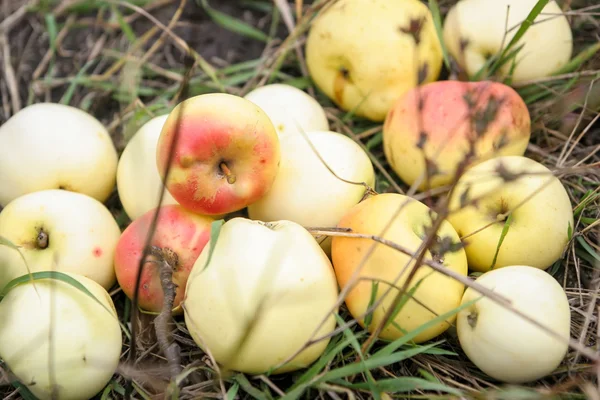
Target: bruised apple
444,120
58,230
179,237
364,54
138,181
226,153
436,293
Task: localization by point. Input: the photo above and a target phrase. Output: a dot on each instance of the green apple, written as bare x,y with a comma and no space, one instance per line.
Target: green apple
475,30
435,294
306,191
138,180
364,54
58,230
55,146
289,108
503,344
540,209
266,290
57,340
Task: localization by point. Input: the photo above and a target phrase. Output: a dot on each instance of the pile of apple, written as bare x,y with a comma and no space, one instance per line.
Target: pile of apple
255,290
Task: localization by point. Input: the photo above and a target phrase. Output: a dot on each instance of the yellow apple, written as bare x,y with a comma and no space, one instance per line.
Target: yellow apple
503,344
434,121
436,293
264,293
306,192
138,180
59,230
55,146
475,30
540,211
55,337
289,108
364,54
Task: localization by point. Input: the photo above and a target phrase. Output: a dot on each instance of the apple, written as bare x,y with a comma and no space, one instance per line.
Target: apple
436,121
58,341
138,181
289,108
503,344
306,192
436,294
179,237
266,290
55,146
58,230
364,54
540,208
226,154
475,30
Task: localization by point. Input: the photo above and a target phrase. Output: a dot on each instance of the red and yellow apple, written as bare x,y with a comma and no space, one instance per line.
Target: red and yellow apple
539,206
444,120
138,182
179,238
57,340
364,54
55,146
306,191
436,293
225,153
58,230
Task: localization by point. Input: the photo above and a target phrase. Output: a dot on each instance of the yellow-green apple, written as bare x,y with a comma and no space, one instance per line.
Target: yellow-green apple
306,191
475,30
55,146
505,345
58,230
265,291
364,54
536,201
138,181
408,221
451,123
178,238
289,108
59,342
226,153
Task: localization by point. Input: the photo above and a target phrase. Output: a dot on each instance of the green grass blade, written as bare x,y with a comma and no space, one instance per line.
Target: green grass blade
233,24
215,230
403,384
248,388
579,59
437,22
589,249
503,234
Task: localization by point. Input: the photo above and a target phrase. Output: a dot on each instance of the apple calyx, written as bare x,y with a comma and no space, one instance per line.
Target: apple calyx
42,240
472,318
224,169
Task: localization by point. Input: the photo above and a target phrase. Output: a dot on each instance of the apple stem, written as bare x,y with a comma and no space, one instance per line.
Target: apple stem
227,172
42,240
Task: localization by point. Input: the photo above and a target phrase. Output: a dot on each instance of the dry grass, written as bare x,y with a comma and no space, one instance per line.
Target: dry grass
124,62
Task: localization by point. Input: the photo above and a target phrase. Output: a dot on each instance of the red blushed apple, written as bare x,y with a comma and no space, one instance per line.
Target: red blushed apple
226,154
441,119
180,236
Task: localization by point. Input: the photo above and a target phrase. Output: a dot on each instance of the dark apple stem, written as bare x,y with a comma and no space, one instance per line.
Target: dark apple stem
230,176
167,259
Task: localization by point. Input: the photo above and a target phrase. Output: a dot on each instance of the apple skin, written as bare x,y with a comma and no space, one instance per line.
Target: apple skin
55,146
306,192
81,236
548,43
178,230
271,275
538,232
289,108
504,345
363,55
223,138
436,291
86,338
439,111
138,181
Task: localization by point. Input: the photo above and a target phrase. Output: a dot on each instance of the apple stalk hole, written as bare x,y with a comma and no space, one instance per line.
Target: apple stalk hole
227,172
